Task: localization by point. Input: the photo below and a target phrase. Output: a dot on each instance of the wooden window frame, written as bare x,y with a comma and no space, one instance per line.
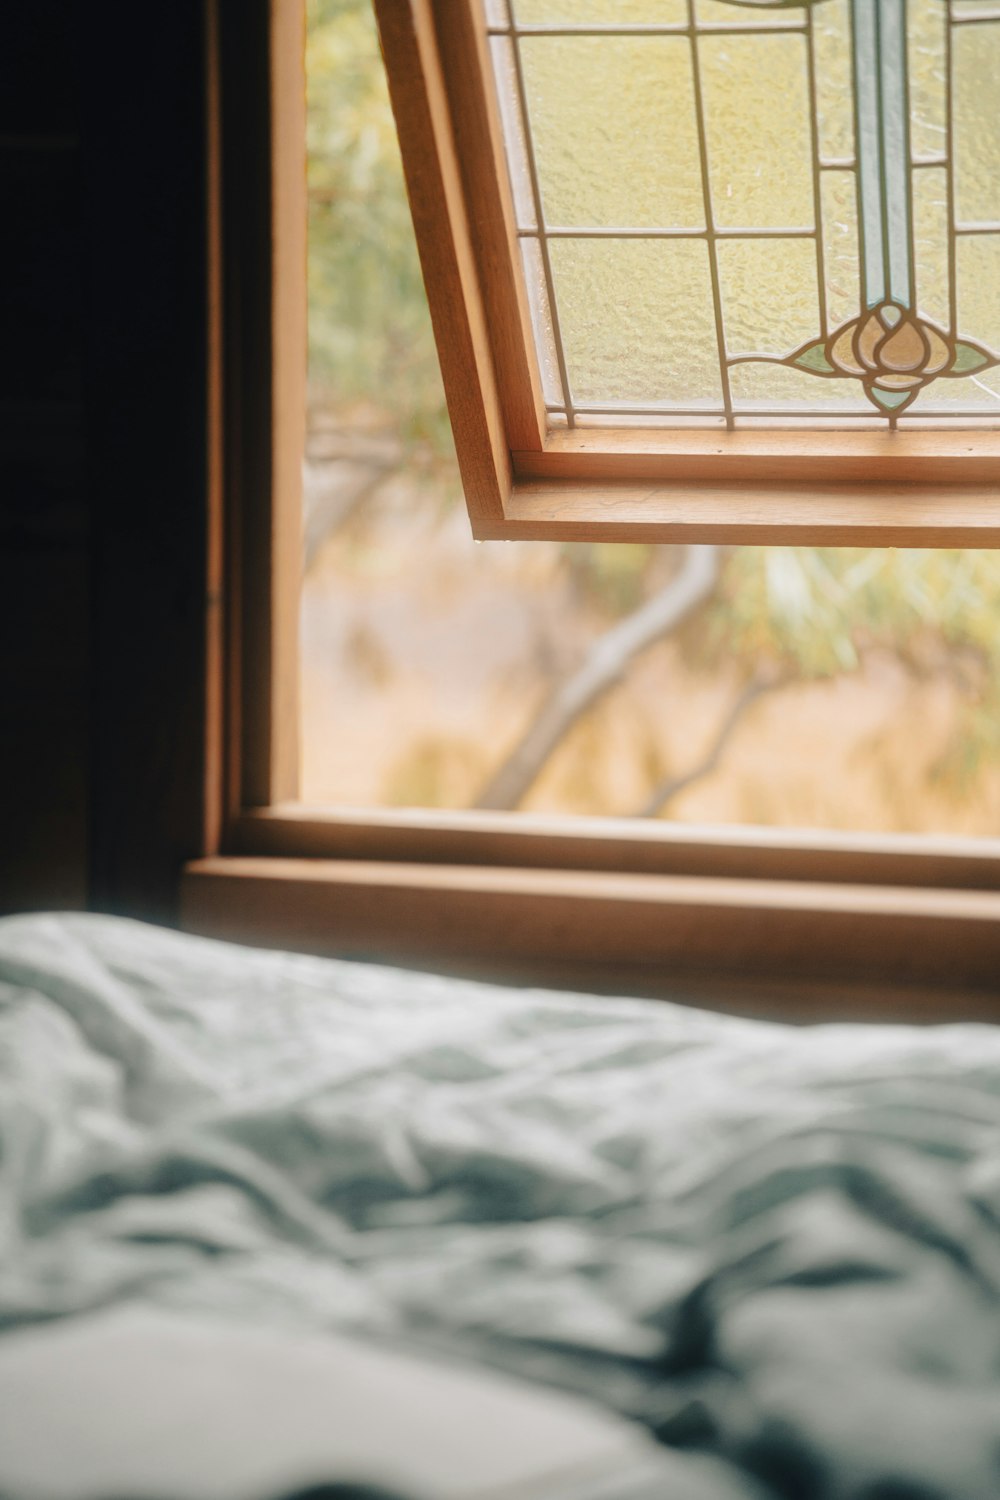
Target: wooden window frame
806,922
914,488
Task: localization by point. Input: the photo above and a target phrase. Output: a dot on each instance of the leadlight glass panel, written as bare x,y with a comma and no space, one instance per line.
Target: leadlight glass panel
741,210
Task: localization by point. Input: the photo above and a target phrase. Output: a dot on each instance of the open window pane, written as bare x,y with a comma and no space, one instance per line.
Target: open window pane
601,12
619,149
850,689
864,128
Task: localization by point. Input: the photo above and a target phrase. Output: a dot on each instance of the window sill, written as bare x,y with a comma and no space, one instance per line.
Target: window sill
655,927
620,846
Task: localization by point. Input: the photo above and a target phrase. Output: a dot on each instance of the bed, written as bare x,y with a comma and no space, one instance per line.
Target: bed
746,1259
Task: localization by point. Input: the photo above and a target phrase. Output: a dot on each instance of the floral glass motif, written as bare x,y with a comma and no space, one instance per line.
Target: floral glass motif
609,342
888,347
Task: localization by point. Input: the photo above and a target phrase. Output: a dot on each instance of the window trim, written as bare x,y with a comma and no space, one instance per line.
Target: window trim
592,902
923,487
616,845
257,213
677,928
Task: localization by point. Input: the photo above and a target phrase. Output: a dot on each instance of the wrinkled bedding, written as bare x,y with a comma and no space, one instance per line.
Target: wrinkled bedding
774,1245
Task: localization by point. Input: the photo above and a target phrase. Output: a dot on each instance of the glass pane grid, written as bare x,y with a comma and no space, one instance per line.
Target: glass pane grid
786,415
707,28
905,350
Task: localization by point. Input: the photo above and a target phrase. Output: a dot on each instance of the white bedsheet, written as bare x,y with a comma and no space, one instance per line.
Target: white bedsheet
779,1247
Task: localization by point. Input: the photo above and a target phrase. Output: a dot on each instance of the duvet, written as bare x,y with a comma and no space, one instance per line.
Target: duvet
778,1247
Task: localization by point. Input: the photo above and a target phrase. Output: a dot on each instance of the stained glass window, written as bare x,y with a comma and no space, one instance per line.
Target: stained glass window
750,212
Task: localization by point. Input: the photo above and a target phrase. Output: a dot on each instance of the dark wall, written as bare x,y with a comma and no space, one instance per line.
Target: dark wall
102,452
44,514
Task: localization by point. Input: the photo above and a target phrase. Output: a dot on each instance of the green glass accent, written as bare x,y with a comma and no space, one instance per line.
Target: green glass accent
967,359
882,134
889,399
814,358
891,316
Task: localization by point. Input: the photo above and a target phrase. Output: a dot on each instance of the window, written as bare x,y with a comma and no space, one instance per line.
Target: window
796,687
741,280
639,906
741,220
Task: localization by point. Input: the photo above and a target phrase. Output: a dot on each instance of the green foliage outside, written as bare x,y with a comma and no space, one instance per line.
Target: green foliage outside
806,611
370,335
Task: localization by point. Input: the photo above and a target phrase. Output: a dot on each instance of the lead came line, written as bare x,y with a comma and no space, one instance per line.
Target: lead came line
949,21
712,28
706,193
792,419
817,179
883,165
593,232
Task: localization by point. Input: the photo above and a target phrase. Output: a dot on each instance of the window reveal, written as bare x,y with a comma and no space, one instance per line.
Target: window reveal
829,163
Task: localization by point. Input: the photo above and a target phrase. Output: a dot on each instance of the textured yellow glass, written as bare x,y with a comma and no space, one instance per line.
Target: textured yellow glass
978,271
541,320
600,12
930,242
840,246
926,24
614,129
637,322
754,386
721,13
976,55
757,127
977,393
832,45
768,289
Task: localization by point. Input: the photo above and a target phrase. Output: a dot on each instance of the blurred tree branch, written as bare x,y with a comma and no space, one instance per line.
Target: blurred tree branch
330,501
604,666
672,786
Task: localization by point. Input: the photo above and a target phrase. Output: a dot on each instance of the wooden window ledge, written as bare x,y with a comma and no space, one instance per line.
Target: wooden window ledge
647,933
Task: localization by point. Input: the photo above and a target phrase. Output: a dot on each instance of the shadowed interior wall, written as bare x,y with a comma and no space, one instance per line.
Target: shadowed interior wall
102,453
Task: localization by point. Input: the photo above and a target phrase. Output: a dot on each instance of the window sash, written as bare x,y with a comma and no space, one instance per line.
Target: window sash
525,478
592,902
